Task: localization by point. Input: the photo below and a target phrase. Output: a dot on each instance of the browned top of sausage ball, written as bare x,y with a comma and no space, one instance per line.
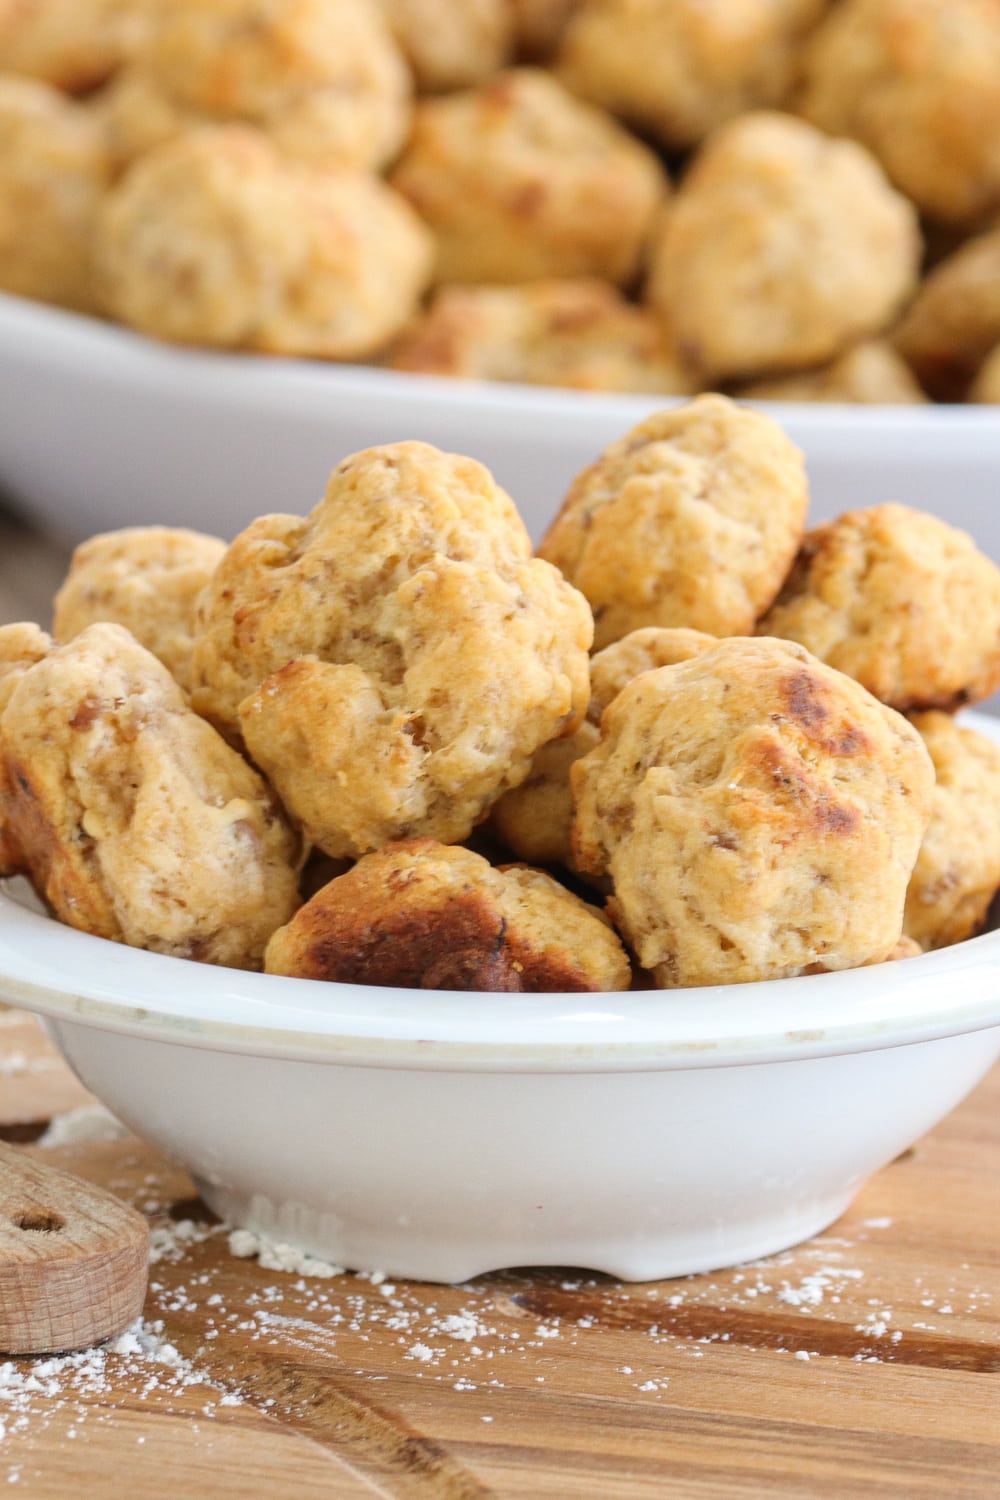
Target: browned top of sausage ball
758,812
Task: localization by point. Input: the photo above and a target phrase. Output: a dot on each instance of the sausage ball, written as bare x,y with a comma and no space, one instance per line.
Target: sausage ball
395,659
899,600
74,45
758,812
578,333
781,248
136,820
870,374
520,181
957,873
535,820
676,71
215,239
430,916
691,519
21,646
953,322
323,79
918,82
450,44
146,578
54,173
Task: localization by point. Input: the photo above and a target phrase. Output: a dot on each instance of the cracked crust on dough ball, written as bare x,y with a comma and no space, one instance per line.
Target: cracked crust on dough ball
578,333
215,239
147,578
54,173
322,79
691,519
957,873
899,600
780,248
424,915
758,813
395,659
137,821
520,181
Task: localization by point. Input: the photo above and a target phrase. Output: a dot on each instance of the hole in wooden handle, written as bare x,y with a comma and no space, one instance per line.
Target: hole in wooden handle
40,1221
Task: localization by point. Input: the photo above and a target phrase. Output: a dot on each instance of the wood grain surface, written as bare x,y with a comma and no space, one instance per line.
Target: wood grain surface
865,1362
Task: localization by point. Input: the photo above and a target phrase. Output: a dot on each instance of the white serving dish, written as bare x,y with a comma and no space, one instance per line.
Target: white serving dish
100,428
440,1135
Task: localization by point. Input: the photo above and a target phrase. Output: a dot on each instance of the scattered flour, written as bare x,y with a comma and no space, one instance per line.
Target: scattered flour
462,1326
91,1122
33,1391
876,1326
813,1287
274,1255
168,1242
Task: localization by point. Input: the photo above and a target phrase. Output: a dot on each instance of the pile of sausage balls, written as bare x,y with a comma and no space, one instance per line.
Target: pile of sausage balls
689,742
793,200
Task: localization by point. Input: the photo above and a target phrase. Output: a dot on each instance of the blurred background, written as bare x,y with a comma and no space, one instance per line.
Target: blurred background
240,239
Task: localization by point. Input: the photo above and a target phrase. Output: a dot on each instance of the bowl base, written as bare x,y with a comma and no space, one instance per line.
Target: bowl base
394,1251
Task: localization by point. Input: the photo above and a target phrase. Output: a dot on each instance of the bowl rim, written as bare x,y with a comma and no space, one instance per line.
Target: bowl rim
74,977
38,334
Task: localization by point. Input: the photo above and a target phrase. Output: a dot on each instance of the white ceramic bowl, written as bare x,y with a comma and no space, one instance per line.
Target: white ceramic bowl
439,1135
100,427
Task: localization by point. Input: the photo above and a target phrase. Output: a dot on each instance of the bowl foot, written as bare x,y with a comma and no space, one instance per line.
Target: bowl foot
652,1253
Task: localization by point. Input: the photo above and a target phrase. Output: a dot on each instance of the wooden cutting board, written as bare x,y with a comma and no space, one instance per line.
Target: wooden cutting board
866,1362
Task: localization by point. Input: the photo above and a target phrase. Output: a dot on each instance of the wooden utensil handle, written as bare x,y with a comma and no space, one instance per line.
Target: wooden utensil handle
73,1260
